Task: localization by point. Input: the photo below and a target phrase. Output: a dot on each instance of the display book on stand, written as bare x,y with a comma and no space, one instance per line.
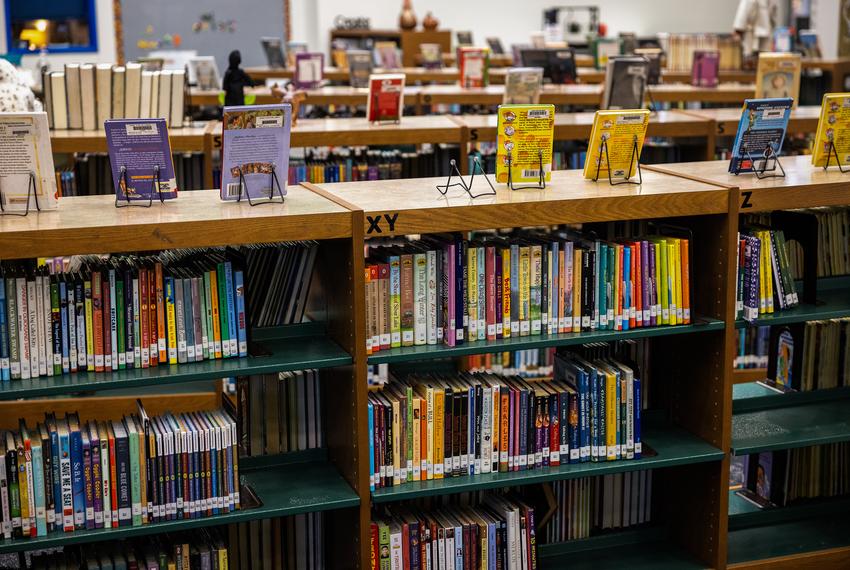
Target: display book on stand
29,181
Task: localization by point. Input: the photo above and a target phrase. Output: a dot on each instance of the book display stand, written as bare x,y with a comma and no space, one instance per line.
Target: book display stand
31,192
453,170
833,151
273,182
635,159
126,203
541,182
767,155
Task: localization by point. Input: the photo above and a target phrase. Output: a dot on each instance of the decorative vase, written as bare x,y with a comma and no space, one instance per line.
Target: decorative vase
429,22
407,19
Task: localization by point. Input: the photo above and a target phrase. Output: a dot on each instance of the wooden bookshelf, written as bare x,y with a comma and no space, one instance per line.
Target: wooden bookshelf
209,97
804,119
746,375
339,75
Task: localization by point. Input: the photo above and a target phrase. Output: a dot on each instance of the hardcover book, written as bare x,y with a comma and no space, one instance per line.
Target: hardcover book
778,75
523,85
273,48
525,135
625,82
309,70
761,131
620,131
474,65
255,144
138,145
833,131
359,67
706,68
25,139
386,97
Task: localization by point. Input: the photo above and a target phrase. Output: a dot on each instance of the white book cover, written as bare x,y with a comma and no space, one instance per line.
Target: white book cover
145,95
25,139
58,100
103,86
178,80
164,106
119,74
87,97
72,90
154,106
132,86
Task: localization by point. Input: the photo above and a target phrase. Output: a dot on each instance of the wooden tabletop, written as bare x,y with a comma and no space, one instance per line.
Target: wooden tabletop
186,139
723,93
804,186
416,206
804,119
91,224
198,97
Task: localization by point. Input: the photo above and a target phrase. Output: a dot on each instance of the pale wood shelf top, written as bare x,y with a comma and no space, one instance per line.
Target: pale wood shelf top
803,118
190,138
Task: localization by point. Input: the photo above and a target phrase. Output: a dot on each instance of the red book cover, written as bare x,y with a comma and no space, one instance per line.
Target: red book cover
374,549
621,296
386,97
490,276
160,315
638,277
154,347
474,65
107,324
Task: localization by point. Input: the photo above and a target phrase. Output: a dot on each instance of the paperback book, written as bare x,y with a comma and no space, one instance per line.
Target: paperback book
273,49
386,55
832,138
625,82
706,68
622,133
431,56
558,64
386,98
474,65
27,159
524,143
523,85
309,70
359,67
203,72
778,76
761,131
136,148
255,151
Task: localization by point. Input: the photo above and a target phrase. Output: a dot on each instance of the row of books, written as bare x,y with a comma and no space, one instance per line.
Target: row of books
68,475
765,283
448,290
780,478
826,354
279,413
435,426
498,533
529,363
680,48
290,543
90,174
345,165
833,245
204,549
752,347
591,504
85,95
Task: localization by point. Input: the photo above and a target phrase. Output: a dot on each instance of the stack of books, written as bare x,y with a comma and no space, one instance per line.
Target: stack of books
291,543
765,283
67,474
499,533
680,48
85,95
448,290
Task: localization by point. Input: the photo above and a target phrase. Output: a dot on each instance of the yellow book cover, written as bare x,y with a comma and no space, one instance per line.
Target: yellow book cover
611,407
417,435
615,297
620,130
768,270
524,290
439,432
577,253
671,282
763,276
661,279
216,317
525,133
506,293
833,127
369,308
778,75
472,292
429,433
680,312
89,325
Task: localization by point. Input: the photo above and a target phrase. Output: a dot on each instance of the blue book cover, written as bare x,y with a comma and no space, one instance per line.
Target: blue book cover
138,146
594,417
5,374
231,309
54,464
761,128
38,483
627,286
122,473
78,484
602,427
255,143
239,281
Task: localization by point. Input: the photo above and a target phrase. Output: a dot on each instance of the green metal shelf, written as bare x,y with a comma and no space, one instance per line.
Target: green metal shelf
673,446
790,427
292,353
786,531
740,506
428,352
754,396
284,491
833,302
644,548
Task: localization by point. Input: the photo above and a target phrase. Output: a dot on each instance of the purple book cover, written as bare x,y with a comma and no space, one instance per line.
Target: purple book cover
139,145
256,141
706,68
309,69
646,297
97,475
653,299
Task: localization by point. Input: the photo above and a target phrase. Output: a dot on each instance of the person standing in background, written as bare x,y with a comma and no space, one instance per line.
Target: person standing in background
754,23
235,80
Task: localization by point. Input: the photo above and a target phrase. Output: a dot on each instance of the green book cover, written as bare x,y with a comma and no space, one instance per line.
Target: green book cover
54,310
602,296
223,311
202,303
135,471
384,546
137,327
122,340
208,315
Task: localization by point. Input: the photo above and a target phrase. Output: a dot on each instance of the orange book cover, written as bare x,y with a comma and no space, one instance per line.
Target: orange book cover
503,437
97,318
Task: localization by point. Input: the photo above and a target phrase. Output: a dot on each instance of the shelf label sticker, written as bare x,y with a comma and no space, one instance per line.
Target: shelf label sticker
378,223
746,199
